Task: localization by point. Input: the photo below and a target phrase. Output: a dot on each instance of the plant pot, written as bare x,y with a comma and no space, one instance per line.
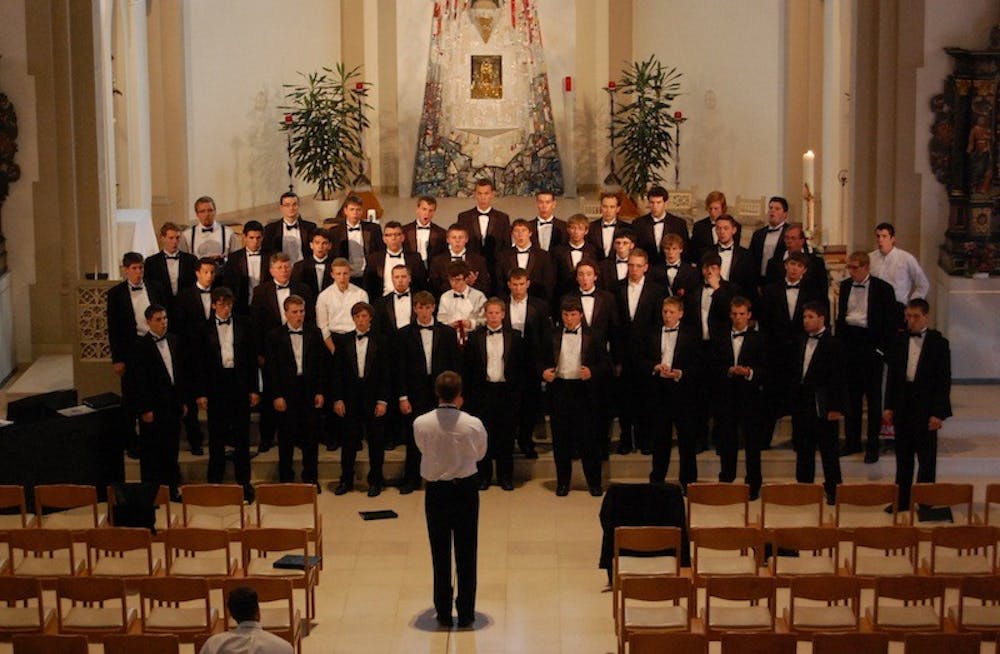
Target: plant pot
325,208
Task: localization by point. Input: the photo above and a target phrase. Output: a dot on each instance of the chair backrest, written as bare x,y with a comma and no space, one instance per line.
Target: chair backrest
985,589
212,495
49,644
941,494
12,497
675,642
992,497
855,643
65,496
865,495
141,644
23,590
740,589
170,590
894,540
939,643
648,540
285,495
88,591
268,590
965,540
743,539
758,643
261,541
717,495
911,590
195,539
792,495
41,540
658,589
804,539
117,540
832,589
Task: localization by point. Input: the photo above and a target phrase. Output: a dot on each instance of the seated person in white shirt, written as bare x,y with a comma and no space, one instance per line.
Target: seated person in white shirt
248,636
333,306
462,307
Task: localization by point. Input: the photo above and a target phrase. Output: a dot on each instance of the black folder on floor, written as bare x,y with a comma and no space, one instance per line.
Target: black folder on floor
378,515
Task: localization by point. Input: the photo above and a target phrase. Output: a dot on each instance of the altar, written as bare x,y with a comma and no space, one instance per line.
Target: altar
967,311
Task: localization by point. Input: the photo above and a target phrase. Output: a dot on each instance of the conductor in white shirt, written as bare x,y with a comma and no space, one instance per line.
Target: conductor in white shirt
451,442
898,267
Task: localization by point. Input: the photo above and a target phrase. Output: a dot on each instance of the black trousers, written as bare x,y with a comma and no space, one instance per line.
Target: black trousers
740,418
297,425
810,432
632,391
192,427
527,417
575,424
360,422
665,412
229,421
452,510
700,407
498,413
864,383
159,443
914,440
268,423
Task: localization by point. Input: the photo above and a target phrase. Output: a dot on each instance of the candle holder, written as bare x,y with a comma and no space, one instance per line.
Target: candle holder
679,119
612,183
288,148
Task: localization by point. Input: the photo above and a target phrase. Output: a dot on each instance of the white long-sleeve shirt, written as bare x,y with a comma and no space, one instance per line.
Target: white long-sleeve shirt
333,309
451,442
901,269
470,307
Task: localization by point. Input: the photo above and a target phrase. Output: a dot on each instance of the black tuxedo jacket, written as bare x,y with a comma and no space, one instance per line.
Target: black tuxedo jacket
371,237
156,270
236,277
931,386
648,317
497,232
741,273
280,370
437,242
265,313
604,320
718,310
687,359
824,387
375,268
274,233
537,325
595,235
753,355
384,320
305,272
210,373
189,316
687,276
474,364
646,236
121,319
412,380
152,389
773,316
559,234
702,239
815,276
593,354
757,248
360,394
439,272
541,272
562,260
607,274
883,311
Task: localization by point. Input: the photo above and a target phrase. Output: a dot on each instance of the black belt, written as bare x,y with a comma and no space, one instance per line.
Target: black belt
456,481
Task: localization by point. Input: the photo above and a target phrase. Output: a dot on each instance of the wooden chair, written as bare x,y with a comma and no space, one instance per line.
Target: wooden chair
142,644
725,551
863,643
214,506
204,553
23,610
49,644
922,608
87,613
121,552
883,551
281,617
653,604
263,546
166,517
817,552
834,604
791,505
675,642
938,643
45,553
992,497
281,505
718,505
958,552
978,607
863,505
161,611
957,497
750,589
75,508
644,554
12,497
758,644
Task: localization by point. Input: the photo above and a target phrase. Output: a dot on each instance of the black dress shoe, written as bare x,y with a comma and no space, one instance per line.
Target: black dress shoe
507,485
484,485
465,623
562,490
197,450
847,451
406,488
175,496
445,621
132,453
596,491
374,490
249,494
389,446
263,447
871,457
319,486
646,451
531,454
831,498
342,489
623,449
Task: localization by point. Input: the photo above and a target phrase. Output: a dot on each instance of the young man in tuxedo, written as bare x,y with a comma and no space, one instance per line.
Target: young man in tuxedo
296,372
424,349
458,250
391,313
193,309
314,269
740,361
565,258
494,363
529,316
290,233
816,276
703,234
378,269
488,229
247,267
226,387
671,358
361,390
547,231
423,237
461,308
613,270
866,325
600,308
768,243
651,228
601,233
737,262
171,267
333,306
525,254
574,361
355,238
208,238
917,396
671,270
266,314
160,391
817,398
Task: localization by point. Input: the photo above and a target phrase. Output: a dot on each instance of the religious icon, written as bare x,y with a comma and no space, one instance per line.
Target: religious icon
487,77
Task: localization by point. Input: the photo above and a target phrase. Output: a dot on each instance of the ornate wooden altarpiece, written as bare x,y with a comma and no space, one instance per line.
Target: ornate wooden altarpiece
9,171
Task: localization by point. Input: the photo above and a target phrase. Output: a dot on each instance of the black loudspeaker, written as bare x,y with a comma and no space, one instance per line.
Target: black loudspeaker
40,407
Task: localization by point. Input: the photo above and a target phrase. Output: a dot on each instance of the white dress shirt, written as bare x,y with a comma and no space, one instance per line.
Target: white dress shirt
545,228
140,302
494,356
205,295
901,269
522,257
356,249
668,345
451,442
168,361
392,259
207,241
587,300
570,355
402,308
468,307
484,223
771,239
296,339
621,268
632,293
173,270
792,296
575,254
727,260
706,305
608,236
811,343
427,340
246,638
672,269
226,349
914,348
320,271
737,339
333,308
518,313
361,351
659,224
857,303
423,238
253,270
291,240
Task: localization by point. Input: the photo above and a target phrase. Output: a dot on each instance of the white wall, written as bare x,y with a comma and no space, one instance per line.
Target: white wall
238,55
732,50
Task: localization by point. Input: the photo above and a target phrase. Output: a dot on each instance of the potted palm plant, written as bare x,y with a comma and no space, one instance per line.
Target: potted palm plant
324,118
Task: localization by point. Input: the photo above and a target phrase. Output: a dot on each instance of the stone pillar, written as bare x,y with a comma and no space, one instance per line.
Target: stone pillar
836,118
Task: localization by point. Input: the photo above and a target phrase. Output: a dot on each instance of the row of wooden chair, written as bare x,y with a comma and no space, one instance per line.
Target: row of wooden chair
855,643
817,604
113,644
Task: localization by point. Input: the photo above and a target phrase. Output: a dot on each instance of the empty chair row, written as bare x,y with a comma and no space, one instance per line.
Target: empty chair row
856,643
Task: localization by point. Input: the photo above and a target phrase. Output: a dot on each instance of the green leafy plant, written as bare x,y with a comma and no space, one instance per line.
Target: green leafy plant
325,117
642,126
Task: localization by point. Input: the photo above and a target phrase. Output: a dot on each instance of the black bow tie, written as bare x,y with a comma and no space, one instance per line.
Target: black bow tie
708,286
728,249
816,336
586,294
739,335
491,332
670,330
295,332
227,321
916,334
394,256
571,331
136,289
172,257
859,285
771,230
402,295
157,339
458,296
207,229
456,258
520,251
484,215
294,225
618,261
361,336
281,286
253,254
609,225
544,223
354,229
320,262
202,290
427,327
658,221
796,285
427,227
675,266
579,249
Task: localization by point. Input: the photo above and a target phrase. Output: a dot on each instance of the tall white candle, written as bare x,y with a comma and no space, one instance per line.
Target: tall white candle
809,170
